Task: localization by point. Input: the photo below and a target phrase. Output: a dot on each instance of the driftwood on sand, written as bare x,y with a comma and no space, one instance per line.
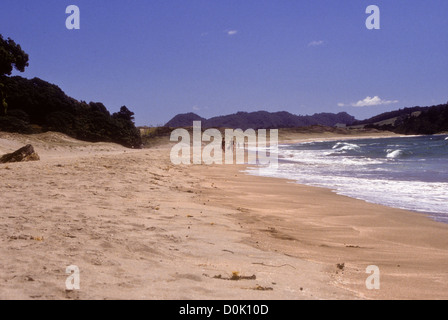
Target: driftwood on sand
26,153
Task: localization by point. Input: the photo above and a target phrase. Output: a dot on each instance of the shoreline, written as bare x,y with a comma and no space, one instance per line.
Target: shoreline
404,244
139,227
431,215
423,268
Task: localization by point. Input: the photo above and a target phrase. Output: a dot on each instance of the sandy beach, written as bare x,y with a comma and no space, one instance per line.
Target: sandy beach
139,227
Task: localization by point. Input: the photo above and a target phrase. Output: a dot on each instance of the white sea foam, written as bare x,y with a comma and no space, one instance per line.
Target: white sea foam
319,158
372,177
410,195
392,154
344,146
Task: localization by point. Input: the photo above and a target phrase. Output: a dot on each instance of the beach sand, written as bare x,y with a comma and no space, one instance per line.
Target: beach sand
139,227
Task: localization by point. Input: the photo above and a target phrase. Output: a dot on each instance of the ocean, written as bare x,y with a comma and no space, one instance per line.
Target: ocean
401,172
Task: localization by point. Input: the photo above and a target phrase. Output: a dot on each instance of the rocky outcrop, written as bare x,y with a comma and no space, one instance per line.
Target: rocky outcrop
26,153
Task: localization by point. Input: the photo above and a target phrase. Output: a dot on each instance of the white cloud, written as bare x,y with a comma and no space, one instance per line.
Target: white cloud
196,108
231,32
375,101
369,102
316,43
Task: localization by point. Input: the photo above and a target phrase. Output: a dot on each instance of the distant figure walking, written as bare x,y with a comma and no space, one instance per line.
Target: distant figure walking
231,145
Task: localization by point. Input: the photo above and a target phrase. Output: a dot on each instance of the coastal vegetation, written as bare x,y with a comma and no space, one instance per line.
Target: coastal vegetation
411,121
35,106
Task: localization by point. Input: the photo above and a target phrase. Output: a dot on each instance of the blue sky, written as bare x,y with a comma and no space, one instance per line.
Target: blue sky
215,57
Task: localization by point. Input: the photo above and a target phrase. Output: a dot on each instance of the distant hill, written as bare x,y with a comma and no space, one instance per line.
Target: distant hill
416,120
262,120
390,116
184,120
35,106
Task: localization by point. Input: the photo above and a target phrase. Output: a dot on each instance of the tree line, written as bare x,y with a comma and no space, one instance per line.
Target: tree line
428,120
34,105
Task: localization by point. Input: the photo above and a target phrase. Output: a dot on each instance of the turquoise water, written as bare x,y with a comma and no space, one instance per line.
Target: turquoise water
405,172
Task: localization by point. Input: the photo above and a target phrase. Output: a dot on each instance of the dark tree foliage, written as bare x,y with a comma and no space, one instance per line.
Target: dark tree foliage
28,106
3,103
35,105
124,114
11,57
401,113
431,120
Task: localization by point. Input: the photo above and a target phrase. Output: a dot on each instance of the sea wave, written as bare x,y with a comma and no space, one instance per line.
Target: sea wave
398,194
323,158
393,154
344,146
409,172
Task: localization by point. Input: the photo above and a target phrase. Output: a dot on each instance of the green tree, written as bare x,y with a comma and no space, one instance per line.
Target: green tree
3,99
124,114
11,57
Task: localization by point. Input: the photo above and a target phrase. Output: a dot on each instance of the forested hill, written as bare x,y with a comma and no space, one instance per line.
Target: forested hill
396,114
261,120
416,120
34,105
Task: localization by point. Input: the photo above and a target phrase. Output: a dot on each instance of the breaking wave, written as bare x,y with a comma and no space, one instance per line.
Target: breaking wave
409,173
